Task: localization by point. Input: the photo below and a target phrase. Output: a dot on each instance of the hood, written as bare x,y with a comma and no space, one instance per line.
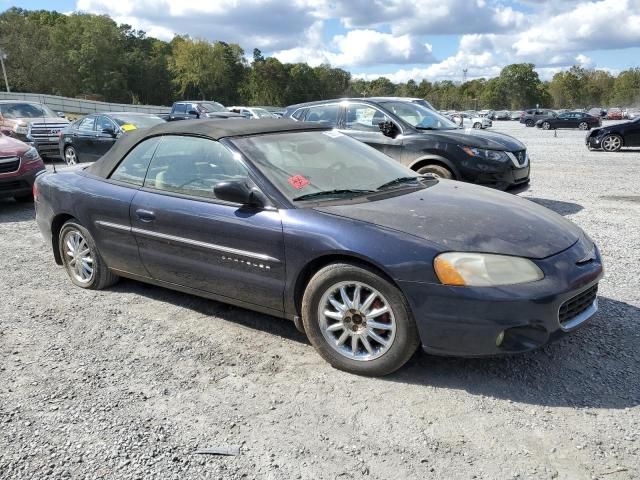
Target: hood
463,217
10,147
52,120
477,138
224,115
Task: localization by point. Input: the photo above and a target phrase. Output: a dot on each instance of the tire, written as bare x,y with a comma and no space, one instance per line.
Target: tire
73,240
612,143
437,170
529,123
71,155
584,126
26,198
398,336
477,125
546,125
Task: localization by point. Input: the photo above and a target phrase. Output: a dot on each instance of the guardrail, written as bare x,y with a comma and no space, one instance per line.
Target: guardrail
77,105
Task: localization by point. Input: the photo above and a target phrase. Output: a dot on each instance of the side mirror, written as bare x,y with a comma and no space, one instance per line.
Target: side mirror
60,114
193,112
109,131
388,129
239,192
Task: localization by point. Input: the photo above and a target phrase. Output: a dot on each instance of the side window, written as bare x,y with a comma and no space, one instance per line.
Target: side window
134,166
324,114
180,108
86,124
192,166
365,118
102,123
299,114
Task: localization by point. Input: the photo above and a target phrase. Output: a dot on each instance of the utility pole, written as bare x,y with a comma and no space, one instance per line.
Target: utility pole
3,57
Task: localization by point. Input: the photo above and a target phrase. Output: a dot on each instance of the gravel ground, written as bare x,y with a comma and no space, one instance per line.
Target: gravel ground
130,382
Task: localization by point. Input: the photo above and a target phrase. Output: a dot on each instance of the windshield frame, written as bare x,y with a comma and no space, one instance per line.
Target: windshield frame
219,107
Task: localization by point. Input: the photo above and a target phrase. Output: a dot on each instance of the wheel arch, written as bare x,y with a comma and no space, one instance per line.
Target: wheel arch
56,225
312,267
435,160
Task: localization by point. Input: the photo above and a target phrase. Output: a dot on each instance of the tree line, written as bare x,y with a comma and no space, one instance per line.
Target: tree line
84,54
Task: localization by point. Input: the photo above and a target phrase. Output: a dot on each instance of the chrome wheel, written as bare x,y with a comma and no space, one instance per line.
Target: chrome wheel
583,126
78,256
546,126
611,143
70,156
357,321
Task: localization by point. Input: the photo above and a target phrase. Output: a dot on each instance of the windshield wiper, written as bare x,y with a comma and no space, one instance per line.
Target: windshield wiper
332,193
398,181
425,128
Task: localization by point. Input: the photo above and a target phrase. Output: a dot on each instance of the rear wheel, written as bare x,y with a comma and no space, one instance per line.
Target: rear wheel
529,123
81,258
583,126
358,321
71,156
612,143
437,171
546,125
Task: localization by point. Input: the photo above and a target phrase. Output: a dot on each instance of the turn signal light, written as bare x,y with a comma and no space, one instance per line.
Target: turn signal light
447,273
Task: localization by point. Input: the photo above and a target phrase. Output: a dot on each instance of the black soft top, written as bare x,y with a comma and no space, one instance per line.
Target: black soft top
214,129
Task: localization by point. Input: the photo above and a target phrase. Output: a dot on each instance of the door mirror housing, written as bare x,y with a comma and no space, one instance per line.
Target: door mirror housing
109,131
60,114
193,112
388,129
240,192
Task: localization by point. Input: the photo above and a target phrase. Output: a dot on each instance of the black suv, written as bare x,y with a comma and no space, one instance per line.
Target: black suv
530,117
423,140
192,109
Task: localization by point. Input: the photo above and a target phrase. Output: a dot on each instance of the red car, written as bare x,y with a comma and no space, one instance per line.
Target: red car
614,114
19,166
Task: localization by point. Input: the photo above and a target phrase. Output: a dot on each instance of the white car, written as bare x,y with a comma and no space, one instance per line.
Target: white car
467,120
252,112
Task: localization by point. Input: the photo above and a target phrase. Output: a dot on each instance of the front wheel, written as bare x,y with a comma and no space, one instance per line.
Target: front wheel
477,125
546,126
612,143
71,156
358,321
437,171
583,126
81,258
529,123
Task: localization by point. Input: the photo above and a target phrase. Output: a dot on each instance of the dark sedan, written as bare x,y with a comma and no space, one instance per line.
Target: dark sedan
424,140
305,223
613,137
90,137
580,120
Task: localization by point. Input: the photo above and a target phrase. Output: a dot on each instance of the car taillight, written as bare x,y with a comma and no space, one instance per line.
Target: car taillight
35,191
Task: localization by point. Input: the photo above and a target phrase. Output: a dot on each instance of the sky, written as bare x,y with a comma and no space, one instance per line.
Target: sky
399,39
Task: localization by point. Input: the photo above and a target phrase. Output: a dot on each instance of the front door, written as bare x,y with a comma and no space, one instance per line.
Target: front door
361,121
103,141
632,134
82,138
187,237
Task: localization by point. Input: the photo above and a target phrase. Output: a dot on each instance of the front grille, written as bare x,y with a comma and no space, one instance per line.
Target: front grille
9,164
578,304
46,130
14,185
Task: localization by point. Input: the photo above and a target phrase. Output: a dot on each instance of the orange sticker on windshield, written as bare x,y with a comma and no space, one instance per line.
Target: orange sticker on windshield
298,182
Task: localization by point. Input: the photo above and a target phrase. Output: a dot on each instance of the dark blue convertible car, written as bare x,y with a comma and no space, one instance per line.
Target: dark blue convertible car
302,222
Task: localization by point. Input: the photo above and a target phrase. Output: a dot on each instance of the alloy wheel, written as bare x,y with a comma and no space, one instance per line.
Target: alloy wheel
546,126
357,321
583,126
70,156
611,143
78,256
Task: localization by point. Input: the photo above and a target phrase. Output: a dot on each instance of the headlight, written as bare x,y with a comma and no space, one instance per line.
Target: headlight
21,130
496,155
484,269
31,155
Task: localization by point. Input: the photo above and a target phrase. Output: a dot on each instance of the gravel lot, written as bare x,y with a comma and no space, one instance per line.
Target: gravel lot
131,381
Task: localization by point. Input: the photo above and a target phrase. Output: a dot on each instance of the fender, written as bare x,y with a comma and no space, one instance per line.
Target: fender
434,158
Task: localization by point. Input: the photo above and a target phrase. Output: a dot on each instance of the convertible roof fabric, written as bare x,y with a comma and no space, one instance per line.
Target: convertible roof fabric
214,129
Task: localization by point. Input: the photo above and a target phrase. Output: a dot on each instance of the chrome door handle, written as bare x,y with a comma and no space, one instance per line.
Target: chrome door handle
145,215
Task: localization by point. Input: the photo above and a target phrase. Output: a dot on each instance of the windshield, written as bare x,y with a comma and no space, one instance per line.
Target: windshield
26,110
420,117
303,164
262,113
138,121
212,107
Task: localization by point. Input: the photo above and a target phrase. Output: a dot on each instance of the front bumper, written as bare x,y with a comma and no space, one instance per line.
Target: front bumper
467,321
19,183
593,141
